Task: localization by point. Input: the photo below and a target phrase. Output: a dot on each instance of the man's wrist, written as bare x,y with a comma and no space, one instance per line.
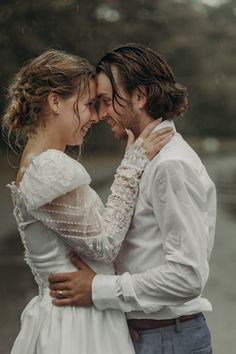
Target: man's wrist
104,294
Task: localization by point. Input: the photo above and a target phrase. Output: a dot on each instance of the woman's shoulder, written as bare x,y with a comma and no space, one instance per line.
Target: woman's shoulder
55,164
52,174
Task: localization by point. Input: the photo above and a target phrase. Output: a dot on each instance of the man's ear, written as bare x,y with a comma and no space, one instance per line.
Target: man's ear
53,102
139,97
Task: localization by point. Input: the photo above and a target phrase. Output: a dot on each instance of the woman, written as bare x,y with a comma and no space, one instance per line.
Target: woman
51,102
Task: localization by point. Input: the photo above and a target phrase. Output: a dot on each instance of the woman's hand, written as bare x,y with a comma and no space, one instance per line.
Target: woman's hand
153,142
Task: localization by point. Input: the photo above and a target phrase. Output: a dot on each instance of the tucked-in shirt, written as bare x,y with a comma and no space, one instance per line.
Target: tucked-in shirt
162,267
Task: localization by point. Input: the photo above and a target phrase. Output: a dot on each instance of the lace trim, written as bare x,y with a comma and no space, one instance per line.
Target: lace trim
55,169
135,155
19,219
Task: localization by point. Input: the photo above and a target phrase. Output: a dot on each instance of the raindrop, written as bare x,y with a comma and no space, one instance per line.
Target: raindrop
105,13
217,80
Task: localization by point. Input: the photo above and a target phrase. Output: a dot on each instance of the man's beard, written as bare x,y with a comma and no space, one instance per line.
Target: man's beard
129,120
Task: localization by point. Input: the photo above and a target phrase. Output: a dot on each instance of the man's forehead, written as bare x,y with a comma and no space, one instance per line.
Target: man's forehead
104,85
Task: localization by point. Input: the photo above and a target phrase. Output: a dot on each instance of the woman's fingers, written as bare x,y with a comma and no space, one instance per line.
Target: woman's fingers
130,139
160,133
153,147
147,131
153,141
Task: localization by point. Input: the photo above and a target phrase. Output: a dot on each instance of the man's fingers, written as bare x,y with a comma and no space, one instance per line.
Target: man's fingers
60,294
63,302
58,281
58,277
78,263
60,286
67,300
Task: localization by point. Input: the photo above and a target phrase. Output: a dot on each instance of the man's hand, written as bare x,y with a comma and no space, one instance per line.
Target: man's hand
72,288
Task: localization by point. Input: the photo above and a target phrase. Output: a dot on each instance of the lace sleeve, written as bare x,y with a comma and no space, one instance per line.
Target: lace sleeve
80,218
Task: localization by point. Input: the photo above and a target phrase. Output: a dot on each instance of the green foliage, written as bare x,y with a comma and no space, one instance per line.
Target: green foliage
197,40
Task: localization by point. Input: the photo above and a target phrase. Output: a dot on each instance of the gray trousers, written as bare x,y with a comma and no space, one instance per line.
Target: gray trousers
189,337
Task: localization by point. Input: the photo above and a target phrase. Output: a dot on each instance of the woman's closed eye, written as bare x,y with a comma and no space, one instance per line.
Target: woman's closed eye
91,103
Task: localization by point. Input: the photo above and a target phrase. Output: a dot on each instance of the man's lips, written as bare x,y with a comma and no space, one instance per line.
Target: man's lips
114,123
111,122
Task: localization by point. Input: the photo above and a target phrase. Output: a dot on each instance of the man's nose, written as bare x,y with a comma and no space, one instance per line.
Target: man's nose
102,113
95,117
102,117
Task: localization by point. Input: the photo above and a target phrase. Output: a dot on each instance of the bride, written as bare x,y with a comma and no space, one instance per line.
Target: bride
51,103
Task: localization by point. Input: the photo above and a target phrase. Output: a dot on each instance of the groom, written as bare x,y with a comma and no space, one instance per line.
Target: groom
162,267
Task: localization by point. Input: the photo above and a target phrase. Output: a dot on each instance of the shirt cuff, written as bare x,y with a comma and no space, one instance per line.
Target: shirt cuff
104,292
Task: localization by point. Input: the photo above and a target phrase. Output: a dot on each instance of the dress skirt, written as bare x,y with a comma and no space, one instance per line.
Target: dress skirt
49,329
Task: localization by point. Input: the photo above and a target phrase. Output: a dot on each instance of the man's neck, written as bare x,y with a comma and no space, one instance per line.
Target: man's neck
144,121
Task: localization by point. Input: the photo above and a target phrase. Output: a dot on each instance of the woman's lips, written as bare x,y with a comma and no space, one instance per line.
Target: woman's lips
85,128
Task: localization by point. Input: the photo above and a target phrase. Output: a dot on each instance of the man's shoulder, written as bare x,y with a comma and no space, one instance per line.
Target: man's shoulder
175,151
176,156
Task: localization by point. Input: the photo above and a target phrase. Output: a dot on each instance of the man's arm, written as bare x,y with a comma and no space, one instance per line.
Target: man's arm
180,211
186,220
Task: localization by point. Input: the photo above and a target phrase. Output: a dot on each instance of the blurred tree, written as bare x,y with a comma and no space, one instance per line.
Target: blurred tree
197,40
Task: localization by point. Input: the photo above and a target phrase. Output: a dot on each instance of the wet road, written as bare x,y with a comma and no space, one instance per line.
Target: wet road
221,287
17,286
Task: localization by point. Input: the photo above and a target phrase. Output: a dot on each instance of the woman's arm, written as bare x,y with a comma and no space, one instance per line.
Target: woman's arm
79,217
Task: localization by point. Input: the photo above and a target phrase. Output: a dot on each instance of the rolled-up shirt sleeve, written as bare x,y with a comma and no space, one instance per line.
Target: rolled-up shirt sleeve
180,200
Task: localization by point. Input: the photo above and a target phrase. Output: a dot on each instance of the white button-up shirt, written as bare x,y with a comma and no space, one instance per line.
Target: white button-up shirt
163,263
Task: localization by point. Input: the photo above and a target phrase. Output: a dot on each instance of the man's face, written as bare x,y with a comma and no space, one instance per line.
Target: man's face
119,117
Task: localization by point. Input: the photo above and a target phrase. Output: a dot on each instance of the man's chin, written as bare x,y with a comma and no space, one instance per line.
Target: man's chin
119,134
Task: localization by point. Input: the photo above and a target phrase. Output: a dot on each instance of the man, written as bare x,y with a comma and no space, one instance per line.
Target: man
162,267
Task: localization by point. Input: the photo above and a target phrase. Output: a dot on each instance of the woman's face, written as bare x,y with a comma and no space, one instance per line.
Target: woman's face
74,128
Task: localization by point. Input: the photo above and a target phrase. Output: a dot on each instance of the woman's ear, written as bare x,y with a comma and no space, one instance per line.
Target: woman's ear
139,97
53,102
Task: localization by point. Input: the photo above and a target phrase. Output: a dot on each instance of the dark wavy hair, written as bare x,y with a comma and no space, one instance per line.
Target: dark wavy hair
139,66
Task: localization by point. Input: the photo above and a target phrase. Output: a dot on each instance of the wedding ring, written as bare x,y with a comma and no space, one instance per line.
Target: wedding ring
60,294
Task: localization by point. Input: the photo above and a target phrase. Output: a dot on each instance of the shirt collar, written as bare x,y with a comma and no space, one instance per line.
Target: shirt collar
165,124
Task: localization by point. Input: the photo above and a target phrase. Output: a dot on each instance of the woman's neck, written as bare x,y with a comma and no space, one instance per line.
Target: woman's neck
40,142
43,141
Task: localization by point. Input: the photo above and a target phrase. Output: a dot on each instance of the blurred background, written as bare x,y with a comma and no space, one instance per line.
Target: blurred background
198,40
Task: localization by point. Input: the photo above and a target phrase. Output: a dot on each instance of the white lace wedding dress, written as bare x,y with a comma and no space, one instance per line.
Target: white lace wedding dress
56,211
